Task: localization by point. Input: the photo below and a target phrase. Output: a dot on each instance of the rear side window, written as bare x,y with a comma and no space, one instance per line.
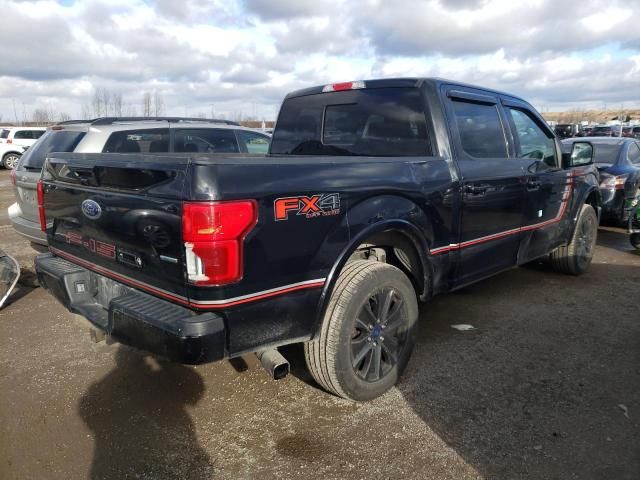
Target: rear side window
23,135
606,153
4,133
480,129
51,141
37,133
251,142
634,154
371,122
152,140
206,140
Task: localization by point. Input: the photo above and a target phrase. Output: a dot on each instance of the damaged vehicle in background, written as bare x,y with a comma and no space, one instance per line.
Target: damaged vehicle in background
618,162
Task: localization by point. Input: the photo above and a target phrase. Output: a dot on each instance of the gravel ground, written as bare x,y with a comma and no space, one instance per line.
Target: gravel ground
547,386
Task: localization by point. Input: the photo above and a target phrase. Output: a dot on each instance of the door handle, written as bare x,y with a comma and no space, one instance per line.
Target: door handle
476,189
533,185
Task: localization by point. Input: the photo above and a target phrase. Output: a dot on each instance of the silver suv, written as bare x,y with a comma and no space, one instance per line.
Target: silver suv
122,135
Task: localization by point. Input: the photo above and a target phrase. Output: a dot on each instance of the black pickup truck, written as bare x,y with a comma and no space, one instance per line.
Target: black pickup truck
374,195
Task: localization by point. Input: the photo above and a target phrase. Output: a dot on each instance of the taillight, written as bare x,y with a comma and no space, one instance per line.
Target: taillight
13,177
337,87
43,218
612,182
213,235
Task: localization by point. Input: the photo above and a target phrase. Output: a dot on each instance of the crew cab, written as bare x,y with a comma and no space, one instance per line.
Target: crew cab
375,195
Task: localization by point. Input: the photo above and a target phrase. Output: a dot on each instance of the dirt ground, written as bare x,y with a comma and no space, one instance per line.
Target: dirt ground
546,387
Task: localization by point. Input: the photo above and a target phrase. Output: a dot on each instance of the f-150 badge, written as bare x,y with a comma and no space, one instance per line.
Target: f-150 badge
320,205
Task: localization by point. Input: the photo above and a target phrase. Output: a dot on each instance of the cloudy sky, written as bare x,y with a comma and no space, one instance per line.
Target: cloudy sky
231,56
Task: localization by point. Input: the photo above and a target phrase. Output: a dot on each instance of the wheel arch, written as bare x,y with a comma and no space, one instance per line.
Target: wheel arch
396,233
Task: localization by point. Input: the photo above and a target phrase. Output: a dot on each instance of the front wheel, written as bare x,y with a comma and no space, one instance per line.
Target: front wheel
575,258
10,161
367,334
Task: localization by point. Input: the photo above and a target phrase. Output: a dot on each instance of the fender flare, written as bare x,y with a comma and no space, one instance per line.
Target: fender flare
408,229
580,201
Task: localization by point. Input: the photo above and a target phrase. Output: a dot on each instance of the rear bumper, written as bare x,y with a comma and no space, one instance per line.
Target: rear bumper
25,227
131,317
614,207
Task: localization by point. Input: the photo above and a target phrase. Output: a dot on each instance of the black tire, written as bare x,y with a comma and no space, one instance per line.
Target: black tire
634,238
371,290
10,160
575,258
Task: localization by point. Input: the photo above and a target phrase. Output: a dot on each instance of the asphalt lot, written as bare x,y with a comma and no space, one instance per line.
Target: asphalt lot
546,387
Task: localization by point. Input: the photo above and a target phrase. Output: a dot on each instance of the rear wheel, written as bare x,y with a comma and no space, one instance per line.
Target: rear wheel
10,161
575,258
367,334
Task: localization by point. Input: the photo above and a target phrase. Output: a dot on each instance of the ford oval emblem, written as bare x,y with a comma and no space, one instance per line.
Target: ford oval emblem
91,209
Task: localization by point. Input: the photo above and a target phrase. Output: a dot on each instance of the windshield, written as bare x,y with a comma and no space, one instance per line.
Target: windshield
51,141
371,122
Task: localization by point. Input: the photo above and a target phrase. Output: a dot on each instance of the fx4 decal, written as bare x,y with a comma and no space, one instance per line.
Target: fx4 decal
320,205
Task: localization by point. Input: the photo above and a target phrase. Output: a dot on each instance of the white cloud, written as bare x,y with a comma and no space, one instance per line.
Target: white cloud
241,55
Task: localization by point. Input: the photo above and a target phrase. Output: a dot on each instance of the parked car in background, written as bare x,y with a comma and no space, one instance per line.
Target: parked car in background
4,133
10,154
606,131
587,130
631,132
18,137
123,135
568,130
618,161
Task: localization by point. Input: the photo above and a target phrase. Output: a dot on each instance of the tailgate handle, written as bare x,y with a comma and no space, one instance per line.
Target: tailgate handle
129,258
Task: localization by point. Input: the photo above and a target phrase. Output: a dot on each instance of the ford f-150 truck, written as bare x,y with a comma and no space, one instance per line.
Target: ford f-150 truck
375,194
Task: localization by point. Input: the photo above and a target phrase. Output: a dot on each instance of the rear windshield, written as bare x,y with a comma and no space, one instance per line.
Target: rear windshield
51,141
4,133
370,122
606,152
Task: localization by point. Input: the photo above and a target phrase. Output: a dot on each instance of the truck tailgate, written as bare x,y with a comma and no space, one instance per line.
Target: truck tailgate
119,215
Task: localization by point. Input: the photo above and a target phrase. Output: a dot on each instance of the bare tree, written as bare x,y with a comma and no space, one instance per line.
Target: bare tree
42,116
86,111
106,101
146,104
158,104
116,104
63,117
131,110
96,103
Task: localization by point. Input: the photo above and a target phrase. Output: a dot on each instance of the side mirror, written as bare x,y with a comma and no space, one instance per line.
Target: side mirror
581,155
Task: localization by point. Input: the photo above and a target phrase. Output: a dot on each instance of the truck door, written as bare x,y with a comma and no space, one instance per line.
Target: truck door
548,186
492,185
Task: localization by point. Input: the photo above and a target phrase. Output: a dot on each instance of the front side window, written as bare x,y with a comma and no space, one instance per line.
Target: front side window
480,129
251,142
533,142
152,140
206,140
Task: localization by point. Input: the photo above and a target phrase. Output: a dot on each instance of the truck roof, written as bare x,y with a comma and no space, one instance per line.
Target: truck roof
401,82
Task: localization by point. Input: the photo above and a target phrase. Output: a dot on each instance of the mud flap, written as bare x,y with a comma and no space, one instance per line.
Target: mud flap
9,274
